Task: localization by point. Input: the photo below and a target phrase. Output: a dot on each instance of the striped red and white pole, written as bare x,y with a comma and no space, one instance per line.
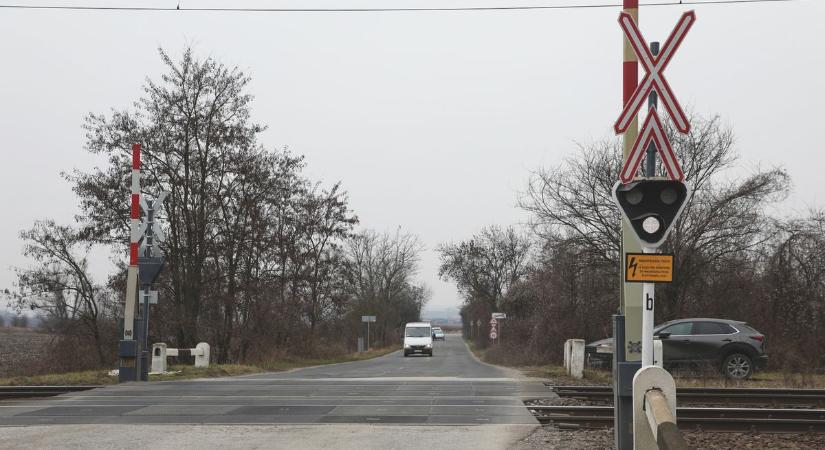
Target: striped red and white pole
132,273
135,216
630,77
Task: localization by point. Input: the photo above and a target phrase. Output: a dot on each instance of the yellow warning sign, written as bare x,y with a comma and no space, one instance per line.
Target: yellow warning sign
648,268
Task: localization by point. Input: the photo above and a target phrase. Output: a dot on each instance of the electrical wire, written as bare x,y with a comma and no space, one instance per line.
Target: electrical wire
398,9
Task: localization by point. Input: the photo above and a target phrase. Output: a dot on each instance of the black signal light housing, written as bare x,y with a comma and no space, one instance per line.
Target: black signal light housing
652,207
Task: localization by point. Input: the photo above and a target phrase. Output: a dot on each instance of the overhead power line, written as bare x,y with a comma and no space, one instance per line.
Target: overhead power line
399,9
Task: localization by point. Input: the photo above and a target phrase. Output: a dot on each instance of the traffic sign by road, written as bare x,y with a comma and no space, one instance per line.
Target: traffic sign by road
493,334
493,321
152,296
654,66
652,130
499,315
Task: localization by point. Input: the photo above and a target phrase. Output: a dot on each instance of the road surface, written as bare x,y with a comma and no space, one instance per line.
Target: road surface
386,402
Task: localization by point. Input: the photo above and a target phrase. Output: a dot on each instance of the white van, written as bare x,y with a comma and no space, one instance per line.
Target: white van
418,338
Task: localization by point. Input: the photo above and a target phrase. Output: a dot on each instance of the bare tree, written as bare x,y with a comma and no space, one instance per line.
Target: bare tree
59,284
379,271
193,122
486,266
572,203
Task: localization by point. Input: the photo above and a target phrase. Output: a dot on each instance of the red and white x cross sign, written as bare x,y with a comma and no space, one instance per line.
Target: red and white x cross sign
655,67
652,130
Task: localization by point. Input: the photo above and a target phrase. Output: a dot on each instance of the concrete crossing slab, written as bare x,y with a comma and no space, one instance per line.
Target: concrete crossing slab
451,388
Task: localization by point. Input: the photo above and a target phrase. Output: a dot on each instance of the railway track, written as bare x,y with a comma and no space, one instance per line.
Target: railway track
15,392
767,410
699,419
809,398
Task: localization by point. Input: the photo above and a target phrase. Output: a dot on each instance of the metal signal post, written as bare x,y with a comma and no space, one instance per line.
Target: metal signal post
649,206
144,267
128,365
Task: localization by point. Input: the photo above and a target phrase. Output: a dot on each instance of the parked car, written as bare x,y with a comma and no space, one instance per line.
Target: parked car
734,346
418,338
438,334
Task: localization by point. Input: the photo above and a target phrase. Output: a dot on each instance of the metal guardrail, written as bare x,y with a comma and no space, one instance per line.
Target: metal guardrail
662,423
15,392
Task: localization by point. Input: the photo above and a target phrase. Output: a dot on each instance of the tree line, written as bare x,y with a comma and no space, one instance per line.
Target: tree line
261,261
734,256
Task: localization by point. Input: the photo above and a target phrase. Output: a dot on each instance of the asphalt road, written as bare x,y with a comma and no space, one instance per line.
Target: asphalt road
448,390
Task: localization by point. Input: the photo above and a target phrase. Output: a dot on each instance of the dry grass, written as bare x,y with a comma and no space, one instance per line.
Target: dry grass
547,371
708,377
85,378
22,350
185,372
773,379
295,363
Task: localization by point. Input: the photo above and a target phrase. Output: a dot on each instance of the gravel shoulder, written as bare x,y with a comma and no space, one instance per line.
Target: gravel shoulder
551,437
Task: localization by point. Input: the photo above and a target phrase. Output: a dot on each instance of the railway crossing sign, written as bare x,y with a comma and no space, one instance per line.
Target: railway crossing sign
654,66
146,223
652,131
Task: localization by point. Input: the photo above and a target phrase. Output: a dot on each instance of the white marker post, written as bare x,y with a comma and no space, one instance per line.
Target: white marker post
648,294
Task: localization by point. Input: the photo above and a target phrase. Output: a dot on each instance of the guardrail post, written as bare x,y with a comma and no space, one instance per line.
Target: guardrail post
202,355
159,358
576,358
646,379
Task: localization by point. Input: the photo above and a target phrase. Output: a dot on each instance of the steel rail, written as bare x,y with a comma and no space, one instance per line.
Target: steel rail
751,396
688,418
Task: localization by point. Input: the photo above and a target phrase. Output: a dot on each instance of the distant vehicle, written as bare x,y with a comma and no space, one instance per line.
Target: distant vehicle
438,334
418,338
735,346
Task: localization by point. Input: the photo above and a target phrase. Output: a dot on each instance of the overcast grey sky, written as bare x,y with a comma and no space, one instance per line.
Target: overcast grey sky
432,120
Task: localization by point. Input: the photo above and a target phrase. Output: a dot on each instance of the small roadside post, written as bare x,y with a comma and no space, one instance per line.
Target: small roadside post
499,317
368,319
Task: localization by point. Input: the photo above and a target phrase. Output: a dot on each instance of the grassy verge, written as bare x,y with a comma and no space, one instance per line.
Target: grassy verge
101,377
706,378
772,379
550,371
296,363
88,377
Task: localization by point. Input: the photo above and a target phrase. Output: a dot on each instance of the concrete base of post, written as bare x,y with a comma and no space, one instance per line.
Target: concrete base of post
647,378
127,356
